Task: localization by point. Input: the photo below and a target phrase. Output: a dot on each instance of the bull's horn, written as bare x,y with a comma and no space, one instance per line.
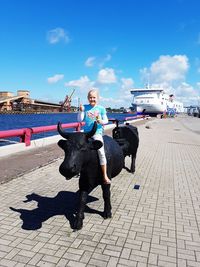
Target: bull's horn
61,131
92,132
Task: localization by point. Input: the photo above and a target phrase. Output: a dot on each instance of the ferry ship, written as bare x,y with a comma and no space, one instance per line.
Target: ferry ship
153,101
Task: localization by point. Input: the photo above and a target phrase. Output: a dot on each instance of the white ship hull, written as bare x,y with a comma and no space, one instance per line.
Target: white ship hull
154,101
150,108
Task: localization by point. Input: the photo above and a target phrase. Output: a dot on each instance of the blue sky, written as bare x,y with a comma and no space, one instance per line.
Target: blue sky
51,47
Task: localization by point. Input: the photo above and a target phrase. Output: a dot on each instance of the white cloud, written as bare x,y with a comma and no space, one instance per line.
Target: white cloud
55,78
126,85
57,35
83,83
169,73
106,76
187,94
90,62
186,89
121,96
167,69
82,86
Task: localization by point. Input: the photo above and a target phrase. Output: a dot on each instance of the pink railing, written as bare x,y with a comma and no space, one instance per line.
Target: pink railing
25,133
136,117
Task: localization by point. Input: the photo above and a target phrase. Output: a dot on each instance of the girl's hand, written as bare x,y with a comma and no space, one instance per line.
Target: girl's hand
81,108
98,120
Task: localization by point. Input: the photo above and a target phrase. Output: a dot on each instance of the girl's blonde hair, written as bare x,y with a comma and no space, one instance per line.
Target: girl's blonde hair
93,91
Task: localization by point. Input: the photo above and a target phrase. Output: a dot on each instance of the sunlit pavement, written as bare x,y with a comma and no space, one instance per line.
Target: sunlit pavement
155,225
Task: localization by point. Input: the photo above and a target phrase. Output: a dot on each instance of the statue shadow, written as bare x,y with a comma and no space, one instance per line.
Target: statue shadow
64,203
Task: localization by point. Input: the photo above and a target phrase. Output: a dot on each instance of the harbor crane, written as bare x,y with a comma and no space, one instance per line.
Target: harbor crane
66,105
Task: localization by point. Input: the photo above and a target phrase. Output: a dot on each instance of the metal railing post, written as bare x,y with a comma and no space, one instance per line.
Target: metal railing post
78,128
26,138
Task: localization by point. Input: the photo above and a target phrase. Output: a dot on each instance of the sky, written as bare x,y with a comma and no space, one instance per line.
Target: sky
51,47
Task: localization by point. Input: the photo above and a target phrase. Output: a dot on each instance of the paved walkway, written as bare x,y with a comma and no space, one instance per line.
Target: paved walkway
157,225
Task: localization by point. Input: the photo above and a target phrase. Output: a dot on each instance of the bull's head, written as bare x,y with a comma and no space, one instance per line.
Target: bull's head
77,147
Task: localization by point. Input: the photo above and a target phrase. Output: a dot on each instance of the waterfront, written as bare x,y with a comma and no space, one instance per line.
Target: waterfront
18,121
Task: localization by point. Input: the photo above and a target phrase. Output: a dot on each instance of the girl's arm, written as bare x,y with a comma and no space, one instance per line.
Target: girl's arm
103,120
81,114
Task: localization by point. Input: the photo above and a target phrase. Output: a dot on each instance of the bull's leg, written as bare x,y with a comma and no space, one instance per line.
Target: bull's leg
107,204
133,158
81,208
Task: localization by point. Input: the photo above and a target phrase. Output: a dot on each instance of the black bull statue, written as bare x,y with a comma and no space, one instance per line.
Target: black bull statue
81,158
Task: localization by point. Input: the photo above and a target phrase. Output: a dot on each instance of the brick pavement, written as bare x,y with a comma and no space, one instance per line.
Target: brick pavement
157,225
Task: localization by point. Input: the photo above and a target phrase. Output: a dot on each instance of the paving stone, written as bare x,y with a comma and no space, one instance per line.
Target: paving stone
157,225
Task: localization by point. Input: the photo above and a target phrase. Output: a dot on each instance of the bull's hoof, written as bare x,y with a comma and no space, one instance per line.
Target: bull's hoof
129,170
132,170
107,215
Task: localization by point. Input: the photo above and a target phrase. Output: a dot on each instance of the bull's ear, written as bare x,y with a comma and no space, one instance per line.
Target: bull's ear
96,144
61,143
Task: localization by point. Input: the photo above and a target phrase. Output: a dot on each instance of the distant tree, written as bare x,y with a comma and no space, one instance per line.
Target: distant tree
109,109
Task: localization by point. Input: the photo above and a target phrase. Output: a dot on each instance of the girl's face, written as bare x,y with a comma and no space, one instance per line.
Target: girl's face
93,98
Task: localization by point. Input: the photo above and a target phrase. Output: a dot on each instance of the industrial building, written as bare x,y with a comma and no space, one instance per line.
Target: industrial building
10,103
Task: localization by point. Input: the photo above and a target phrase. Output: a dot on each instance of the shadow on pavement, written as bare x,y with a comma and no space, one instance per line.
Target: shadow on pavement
64,203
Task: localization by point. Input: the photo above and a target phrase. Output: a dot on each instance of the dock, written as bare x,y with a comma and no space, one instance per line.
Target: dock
155,211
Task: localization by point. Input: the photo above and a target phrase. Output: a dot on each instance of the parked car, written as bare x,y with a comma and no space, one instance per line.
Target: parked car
196,112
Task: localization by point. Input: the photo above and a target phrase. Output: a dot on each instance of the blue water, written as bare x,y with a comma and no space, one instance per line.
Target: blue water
18,121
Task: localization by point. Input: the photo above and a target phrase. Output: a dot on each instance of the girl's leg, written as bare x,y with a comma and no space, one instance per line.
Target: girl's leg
102,159
106,180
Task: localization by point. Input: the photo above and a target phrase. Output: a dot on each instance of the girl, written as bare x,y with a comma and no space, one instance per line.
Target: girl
90,113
